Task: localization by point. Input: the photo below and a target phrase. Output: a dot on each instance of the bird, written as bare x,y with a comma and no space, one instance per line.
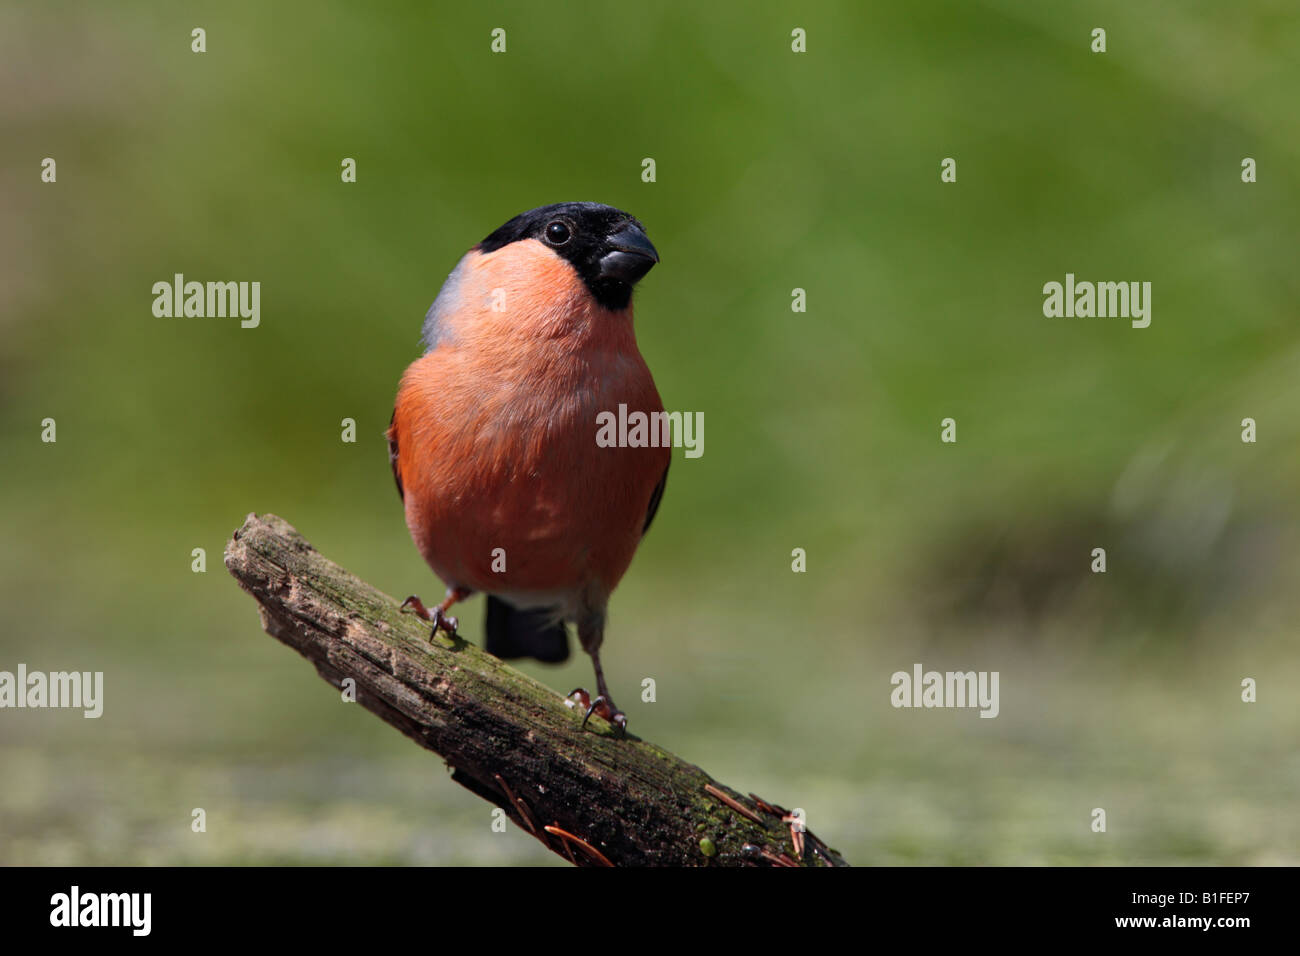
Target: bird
493,438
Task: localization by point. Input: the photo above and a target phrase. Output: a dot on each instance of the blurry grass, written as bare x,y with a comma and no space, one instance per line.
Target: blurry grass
775,171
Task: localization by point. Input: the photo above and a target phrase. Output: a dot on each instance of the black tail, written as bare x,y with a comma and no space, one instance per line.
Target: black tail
534,633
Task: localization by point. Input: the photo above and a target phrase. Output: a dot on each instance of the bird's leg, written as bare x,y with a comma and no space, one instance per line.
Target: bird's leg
602,705
604,702
438,615
591,633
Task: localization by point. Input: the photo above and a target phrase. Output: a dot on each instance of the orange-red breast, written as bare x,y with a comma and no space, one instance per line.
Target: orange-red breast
493,438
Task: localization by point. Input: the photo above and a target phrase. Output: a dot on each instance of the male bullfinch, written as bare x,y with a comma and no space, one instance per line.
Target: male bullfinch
493,438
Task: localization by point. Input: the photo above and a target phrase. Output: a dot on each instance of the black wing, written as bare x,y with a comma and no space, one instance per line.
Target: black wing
656,496
392,457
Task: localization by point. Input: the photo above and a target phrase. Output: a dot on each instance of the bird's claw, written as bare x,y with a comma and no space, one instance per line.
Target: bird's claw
414,605
438,616
602,706
444,621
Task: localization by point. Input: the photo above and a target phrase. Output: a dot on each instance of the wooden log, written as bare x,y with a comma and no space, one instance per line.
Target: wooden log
590,795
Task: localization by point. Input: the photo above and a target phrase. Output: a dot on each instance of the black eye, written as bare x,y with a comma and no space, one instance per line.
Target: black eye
557,233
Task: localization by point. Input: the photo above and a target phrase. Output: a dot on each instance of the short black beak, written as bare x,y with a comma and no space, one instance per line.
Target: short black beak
630,254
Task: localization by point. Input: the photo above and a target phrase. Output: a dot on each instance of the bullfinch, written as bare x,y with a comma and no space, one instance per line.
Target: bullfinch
493,440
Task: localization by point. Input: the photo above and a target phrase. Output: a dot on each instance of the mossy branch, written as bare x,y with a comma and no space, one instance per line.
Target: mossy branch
589,795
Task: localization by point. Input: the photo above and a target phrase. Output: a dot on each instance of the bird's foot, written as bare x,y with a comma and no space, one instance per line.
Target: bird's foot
416,607
444,621
438,615
603,705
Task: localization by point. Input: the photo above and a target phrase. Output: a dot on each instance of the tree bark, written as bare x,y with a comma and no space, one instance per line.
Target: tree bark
590,795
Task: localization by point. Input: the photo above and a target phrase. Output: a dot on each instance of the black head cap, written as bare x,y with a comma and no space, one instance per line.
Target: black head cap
606,246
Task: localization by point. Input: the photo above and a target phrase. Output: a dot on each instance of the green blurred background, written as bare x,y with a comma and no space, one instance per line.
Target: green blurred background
775,171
